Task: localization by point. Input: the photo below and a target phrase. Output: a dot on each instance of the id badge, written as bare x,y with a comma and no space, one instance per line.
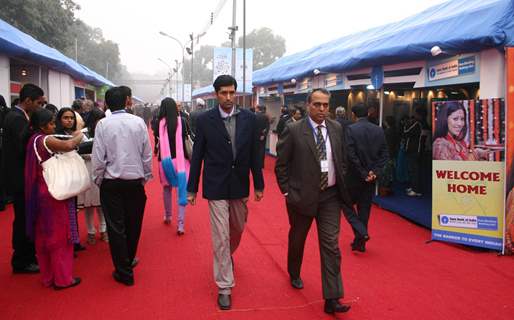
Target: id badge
324,165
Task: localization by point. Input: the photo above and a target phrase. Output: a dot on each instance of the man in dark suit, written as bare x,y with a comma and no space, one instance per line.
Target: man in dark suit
263,125
4,110
284,116
367,154
200,108
341,117
227,142
15,126
310,169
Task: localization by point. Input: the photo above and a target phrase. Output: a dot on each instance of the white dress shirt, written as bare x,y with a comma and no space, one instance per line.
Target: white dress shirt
121,149
328,148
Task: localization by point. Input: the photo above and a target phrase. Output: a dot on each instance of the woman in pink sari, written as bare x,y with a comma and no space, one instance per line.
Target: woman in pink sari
173,162
48,221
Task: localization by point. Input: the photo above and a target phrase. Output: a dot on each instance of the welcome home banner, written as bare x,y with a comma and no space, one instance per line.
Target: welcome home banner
468,178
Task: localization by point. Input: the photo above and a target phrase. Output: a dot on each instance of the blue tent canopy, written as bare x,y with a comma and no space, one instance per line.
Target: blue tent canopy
204,91
456,26
17,44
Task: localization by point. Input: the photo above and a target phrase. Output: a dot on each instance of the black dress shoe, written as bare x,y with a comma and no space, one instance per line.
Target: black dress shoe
78,247
333,306
224,301
359,244
134,263
76,281
297,283
31,268
123,280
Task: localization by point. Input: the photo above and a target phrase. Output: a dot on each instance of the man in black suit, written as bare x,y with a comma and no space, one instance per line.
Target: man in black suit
15,126
310,169
341,117
227,142
284,116
263,124
4,110
367,154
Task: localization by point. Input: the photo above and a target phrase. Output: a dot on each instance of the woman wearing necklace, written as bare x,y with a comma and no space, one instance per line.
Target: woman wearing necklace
450,133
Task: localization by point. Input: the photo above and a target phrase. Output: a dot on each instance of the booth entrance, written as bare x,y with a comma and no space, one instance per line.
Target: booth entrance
22,72
400,104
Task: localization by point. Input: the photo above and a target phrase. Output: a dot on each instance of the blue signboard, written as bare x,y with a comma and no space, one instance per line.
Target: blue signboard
467,65
377,77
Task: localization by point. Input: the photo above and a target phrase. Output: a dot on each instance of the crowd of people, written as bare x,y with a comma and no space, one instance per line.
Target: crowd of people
324,168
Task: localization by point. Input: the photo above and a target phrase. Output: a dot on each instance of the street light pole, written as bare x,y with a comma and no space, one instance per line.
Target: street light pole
244,53
176,71
192,64
233,38
169,74
183,49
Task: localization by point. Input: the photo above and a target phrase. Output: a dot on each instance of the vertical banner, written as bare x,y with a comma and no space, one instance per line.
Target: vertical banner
468,172
222,64
187,92
377,77
509,206
239,70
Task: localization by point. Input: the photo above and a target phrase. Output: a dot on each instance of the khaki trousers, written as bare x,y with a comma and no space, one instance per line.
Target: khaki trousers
228,218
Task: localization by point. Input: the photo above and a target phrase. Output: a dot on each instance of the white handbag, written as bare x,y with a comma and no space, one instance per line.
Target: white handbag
65,173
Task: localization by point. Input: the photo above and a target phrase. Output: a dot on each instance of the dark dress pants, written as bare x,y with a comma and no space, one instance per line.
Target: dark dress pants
362,196
24,252
123,204
328,219
355,220
414,166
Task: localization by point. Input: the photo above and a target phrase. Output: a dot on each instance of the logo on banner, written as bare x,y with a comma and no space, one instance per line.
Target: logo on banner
453,68
222,64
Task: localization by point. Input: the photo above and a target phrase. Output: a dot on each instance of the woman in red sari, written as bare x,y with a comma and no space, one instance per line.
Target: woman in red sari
48,222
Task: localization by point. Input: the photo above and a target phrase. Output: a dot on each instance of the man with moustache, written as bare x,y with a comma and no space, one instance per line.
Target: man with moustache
310,168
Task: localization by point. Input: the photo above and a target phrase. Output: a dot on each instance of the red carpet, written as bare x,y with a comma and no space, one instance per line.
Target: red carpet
400,277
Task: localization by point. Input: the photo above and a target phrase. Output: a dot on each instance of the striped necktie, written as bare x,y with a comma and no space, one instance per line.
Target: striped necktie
322,155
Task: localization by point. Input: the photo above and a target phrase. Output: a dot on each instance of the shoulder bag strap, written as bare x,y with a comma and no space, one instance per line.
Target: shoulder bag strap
46,147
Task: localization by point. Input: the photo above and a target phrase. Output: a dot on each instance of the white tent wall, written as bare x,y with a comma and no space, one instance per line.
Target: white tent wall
4,79
60,89
492,74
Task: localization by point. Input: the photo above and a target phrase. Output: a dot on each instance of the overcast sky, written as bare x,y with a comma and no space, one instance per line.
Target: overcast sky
135,25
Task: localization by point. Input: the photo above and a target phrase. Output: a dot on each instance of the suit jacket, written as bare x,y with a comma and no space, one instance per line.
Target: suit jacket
344,123
298,168
224,177
367,150
263,125
282,123
15,129
192,119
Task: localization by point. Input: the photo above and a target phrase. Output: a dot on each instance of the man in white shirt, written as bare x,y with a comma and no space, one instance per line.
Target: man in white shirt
122,163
